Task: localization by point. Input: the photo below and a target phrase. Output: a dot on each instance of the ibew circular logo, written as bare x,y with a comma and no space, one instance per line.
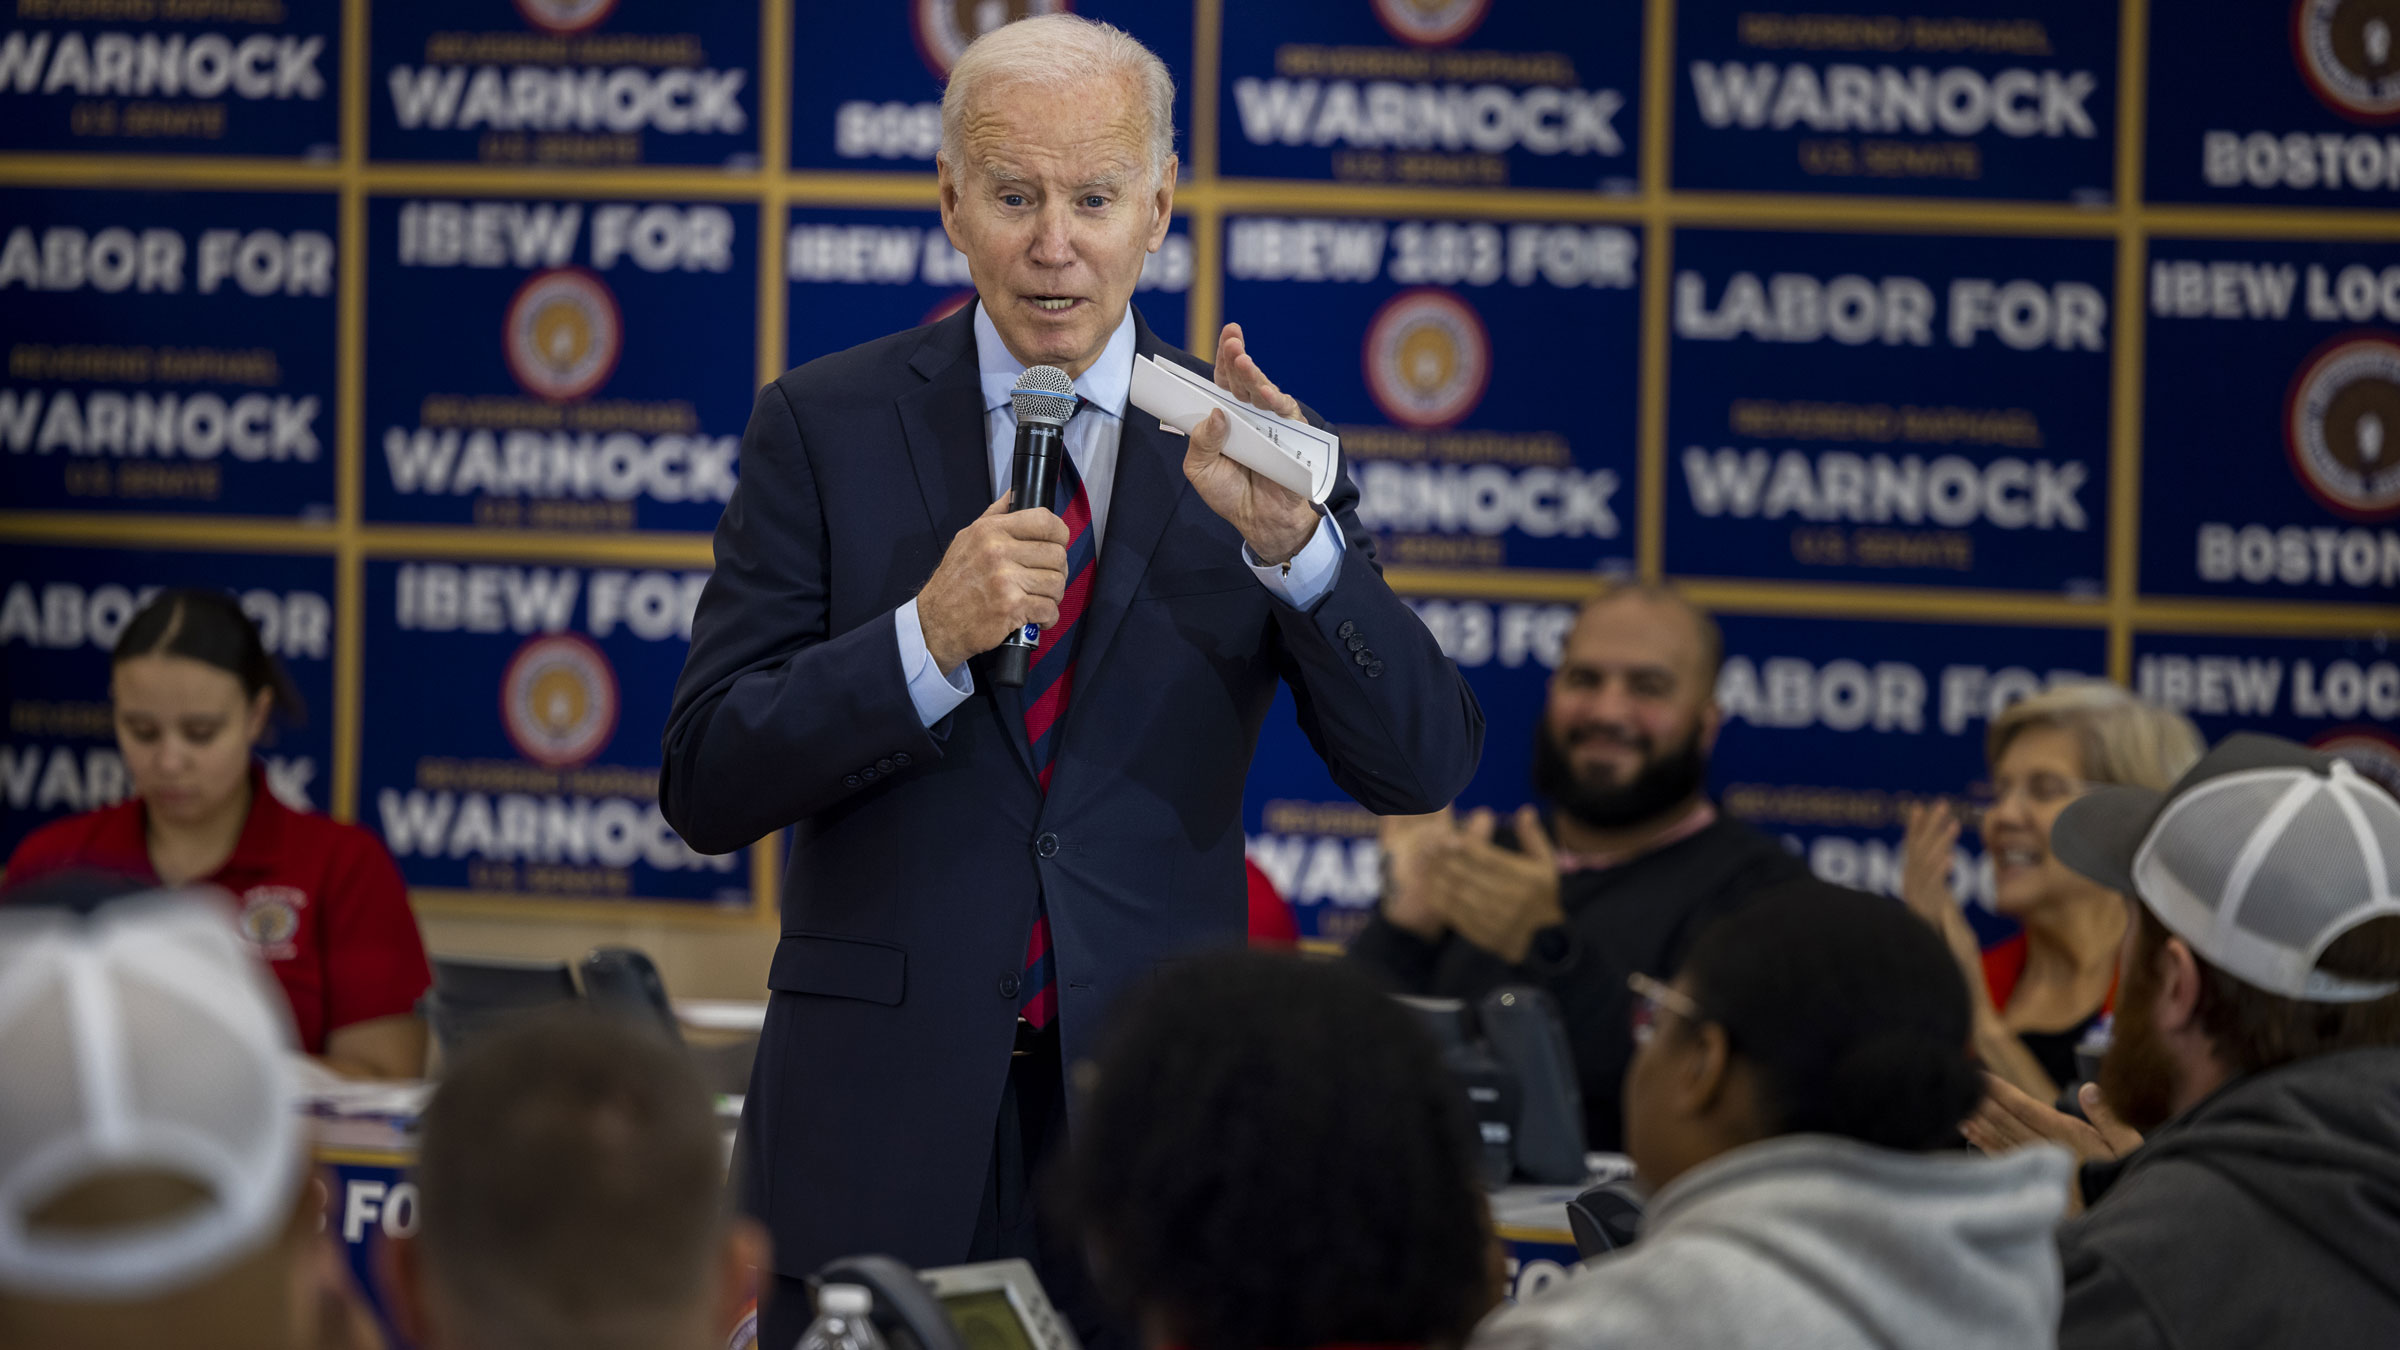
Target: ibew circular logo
558,699
563,333
564,16
945,27
2342,427
1431,23
2349,52
1428,359
2369,750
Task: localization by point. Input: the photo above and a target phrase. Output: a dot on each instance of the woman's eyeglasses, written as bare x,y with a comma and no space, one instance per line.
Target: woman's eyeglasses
1649,996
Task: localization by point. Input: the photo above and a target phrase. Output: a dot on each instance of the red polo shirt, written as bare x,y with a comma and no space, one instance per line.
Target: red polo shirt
323,901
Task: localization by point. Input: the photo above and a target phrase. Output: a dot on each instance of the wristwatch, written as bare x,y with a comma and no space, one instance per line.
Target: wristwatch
1553,950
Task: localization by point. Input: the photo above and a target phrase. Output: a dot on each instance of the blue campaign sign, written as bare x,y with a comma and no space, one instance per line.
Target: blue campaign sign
168,351
194,79
858,275
531,767
1890,409
1433,93
1482,376
2339,694
61,610
1316,844
558,364
2271,420
581,83
1962,98
2292,102
867,79
1832,726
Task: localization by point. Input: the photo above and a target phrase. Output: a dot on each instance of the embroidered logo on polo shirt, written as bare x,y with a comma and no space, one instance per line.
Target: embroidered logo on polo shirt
271,919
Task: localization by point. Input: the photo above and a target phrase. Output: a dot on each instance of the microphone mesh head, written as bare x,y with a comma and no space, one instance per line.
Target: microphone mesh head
1044,394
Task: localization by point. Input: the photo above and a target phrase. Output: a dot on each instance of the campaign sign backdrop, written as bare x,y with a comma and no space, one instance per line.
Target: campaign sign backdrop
1832,726
1316,844
2291,102
240,79
583,83
2271,420
867,78
558,364
1481,374
536,774
1881,408
61,610
1433,93
1988,98
858,275
167,351
2340,694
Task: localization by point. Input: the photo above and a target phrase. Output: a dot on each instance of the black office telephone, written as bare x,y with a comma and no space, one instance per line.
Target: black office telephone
991,1305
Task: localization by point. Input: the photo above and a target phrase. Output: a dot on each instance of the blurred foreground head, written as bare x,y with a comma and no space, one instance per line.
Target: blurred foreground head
572,1185
150,1155
1272,1156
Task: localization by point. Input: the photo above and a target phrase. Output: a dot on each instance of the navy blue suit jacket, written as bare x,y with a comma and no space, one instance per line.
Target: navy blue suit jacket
919,852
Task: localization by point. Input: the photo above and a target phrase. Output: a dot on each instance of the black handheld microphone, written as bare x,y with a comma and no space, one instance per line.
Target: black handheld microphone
1044,400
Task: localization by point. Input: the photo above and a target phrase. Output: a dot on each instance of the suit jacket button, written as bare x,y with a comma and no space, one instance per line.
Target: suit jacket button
885,765
1348,629
1362,656
1047,845
1356,644
849,780
867,773
901,759
1008,985
1374,669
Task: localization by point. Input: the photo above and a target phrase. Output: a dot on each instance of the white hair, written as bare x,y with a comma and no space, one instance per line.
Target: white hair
1060,51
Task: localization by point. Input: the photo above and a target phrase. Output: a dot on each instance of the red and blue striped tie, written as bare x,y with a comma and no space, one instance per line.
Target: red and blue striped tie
1047,688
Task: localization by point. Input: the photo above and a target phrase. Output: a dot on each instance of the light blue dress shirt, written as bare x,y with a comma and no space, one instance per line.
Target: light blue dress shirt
1092,443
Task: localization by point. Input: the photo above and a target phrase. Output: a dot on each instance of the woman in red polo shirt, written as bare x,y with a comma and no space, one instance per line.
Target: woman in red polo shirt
193,688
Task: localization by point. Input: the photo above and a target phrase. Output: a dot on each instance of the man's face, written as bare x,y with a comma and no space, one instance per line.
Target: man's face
1054,204
2138,1078
1631,715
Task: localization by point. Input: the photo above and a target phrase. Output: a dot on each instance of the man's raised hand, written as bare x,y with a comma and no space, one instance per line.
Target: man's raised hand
1274,520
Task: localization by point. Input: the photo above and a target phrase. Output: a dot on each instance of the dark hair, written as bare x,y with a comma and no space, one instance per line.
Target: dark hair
1848,1007
2252,1030
209,626
1273,1156
571,1183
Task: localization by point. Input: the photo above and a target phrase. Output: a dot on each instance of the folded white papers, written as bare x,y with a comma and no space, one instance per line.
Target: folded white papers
1284,450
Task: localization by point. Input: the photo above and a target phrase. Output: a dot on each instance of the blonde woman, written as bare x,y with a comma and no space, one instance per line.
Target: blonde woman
2037,994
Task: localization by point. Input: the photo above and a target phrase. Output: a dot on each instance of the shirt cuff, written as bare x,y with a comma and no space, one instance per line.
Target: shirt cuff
1308,578
934,693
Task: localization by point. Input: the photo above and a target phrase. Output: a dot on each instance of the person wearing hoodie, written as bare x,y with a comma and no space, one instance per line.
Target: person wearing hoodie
1794,1101
2256,1046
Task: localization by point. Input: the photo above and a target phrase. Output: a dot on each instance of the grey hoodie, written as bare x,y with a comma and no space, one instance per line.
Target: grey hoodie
1810,1242
2267,1215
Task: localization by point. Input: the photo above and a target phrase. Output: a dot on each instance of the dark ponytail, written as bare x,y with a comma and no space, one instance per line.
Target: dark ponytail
1851,1011
209,626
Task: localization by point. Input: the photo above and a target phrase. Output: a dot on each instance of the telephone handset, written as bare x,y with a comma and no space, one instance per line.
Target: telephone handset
992,1305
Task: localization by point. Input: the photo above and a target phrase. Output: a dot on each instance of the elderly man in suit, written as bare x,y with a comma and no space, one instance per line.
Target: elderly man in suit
976,870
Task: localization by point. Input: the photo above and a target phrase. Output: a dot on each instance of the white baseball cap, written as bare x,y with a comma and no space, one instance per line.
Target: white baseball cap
141,1035
2260,857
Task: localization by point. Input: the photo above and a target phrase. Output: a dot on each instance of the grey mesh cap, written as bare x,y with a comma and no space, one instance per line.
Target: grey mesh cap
2259,857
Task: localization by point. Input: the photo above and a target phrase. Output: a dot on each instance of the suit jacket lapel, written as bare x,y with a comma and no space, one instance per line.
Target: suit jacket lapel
947,442
1150,483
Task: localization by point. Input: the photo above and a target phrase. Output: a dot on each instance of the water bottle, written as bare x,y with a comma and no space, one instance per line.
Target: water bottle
842,1322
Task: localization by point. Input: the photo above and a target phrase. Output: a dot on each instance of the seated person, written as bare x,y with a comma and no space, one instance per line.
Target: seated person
2036,995
572,1184
1793,1101
153,1162
2257,1042
1632,863
193,689
1271,1155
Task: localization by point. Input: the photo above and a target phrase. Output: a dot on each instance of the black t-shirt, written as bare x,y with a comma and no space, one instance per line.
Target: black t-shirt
1639,915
